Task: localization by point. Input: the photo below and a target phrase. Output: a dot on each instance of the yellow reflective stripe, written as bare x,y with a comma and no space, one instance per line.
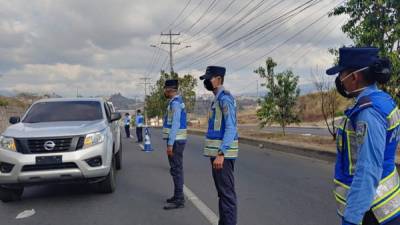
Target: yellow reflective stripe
211,143
180,135
376,208
392,113
218,117
393,119
390,215
341,205
212,146
341,184
389,176
349,153
385,195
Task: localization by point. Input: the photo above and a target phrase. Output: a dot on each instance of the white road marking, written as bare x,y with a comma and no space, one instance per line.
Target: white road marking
203,208
25,214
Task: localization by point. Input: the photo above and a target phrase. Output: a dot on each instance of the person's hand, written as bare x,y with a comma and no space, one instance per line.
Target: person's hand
218,162
169,151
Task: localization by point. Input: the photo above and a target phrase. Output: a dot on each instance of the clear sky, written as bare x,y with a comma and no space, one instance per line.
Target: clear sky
101,47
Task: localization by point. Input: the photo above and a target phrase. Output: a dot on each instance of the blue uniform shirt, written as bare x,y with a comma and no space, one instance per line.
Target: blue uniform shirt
176,118
369,169
127,121
139,120
229,110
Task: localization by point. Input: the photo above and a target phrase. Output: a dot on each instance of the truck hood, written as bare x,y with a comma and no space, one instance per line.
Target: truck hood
54,129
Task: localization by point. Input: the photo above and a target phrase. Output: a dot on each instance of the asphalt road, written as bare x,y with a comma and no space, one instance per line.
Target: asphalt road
273,189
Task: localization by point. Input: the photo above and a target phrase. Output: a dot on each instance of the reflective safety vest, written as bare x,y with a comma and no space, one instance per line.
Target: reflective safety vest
216,130
140,121
386,204
167,124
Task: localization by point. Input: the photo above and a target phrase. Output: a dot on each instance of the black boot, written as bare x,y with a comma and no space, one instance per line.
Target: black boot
174,205
171,200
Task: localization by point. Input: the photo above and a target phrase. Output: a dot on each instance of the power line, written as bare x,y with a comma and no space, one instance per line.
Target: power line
251,34
208,10
228,20
191,12
179,15
285,20
284,42
213,20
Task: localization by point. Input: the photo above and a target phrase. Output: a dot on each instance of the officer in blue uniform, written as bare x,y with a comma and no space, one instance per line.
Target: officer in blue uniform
139,126
175,133
222,143
127,125
366,179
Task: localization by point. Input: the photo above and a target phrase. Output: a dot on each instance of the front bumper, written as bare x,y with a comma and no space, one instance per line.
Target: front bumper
79,171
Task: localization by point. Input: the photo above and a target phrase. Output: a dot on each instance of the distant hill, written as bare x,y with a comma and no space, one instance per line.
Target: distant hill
122,102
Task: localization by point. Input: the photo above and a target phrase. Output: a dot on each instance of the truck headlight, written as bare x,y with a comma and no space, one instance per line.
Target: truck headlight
94,139
7,143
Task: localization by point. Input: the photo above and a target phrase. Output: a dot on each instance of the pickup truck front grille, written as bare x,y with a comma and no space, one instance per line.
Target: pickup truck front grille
61,145
37,145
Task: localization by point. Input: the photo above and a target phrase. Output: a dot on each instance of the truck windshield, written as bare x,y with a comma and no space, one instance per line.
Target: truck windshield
64,111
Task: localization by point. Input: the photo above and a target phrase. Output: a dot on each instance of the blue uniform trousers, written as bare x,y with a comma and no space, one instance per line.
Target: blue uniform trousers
127,131
176,171
225,183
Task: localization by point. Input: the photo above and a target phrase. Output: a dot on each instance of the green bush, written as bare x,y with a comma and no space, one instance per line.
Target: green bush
3,102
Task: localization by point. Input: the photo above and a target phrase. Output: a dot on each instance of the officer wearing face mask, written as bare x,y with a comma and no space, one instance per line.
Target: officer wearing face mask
366,180
175,134
222,143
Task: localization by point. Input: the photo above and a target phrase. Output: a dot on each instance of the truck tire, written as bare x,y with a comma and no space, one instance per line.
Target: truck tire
108,185
11,194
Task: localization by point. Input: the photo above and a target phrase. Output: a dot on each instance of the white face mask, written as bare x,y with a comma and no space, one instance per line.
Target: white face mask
347,76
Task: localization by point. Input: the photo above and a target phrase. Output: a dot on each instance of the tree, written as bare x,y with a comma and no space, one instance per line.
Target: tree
329,100
156,102
279,103
375,23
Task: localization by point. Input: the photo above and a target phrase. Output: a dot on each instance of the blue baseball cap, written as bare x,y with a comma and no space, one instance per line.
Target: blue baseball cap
213,71
354,58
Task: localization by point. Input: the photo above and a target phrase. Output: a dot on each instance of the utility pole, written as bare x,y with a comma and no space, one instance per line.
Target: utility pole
170,43
146,81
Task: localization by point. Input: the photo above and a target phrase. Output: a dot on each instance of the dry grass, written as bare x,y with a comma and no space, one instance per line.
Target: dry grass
9,101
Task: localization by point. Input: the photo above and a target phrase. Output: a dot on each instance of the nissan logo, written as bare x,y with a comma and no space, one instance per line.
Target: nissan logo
49,145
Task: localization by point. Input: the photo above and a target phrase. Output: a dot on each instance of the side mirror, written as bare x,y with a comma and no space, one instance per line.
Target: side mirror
14,120
115,116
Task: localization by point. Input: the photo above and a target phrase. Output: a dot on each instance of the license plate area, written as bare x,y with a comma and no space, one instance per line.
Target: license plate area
48,160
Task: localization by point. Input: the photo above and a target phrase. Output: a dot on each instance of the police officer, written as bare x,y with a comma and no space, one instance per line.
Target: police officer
366,180
139,126
127,123
174,131
222,143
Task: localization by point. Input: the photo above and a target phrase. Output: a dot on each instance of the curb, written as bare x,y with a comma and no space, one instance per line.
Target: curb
303,151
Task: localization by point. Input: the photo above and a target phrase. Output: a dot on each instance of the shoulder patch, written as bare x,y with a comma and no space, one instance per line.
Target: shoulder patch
361,131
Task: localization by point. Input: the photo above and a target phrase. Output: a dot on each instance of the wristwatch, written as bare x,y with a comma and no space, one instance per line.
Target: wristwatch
220,153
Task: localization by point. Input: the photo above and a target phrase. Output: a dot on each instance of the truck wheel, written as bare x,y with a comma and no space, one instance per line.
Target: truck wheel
118,157
109,183
11,194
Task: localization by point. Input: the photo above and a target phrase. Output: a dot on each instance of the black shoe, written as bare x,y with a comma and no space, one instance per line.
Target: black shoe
171,200
174,205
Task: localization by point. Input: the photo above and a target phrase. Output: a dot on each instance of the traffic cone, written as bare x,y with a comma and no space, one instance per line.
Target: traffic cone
147,141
